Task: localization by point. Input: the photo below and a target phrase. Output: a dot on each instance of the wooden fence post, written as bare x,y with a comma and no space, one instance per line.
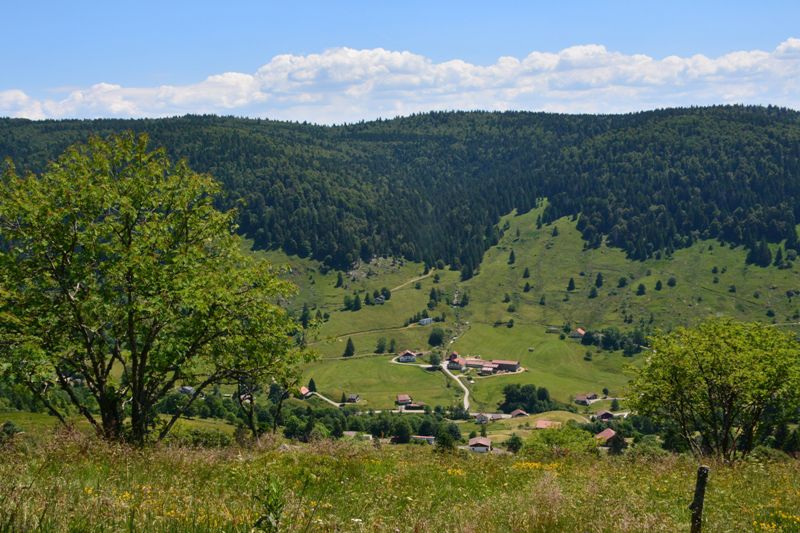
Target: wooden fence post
697,503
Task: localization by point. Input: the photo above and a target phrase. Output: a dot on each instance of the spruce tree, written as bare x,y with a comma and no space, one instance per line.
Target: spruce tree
511,257
598,282
527,273
571,285
311,385
350,348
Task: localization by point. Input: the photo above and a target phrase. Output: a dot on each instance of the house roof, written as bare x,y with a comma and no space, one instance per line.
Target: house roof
481,441
454,355
504,362
605,434
604,414
403,398
580,331
408,353
518,412
304,390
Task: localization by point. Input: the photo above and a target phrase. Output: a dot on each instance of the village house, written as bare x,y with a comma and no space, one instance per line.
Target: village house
353,398
604,436
505,365
415,406
482,418
456,364
605,416
480,444
577,333
403,399
426,321
304,392
585,399
517,413
423,438
407,357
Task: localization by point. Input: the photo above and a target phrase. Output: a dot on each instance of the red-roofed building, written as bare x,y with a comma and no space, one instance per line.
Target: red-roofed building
604,435
577,333
506,365
403,399
480,444
456,363
517,413
304,392
605,416
585,399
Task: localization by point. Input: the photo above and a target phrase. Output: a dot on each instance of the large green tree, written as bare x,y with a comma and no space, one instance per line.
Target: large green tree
122,281
715,382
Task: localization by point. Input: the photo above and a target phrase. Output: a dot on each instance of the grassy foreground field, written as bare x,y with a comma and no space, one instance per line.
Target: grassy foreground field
71,482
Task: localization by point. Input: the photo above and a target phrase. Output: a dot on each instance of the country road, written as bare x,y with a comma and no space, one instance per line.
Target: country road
463,387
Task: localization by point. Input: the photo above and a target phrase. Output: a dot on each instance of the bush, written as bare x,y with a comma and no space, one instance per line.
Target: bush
566,441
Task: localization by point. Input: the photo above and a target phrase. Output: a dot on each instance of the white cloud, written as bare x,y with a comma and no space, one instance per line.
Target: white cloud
345,85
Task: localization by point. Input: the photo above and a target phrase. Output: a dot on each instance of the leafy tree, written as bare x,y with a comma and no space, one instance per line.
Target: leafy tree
623,282
380,346
436,338
718,379
615,405
593,292
402,431
571,285
350,348
435,359
386,293
616,444
123,280
671,282
514,443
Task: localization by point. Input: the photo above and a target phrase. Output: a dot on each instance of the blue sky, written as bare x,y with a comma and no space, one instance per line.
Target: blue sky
145,58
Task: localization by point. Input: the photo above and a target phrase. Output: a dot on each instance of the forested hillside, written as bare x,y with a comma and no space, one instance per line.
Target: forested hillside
433,186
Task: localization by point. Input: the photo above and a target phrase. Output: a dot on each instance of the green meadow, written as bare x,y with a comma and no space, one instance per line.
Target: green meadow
709,279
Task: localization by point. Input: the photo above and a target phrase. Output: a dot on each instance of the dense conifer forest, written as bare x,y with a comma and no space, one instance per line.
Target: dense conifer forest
432,187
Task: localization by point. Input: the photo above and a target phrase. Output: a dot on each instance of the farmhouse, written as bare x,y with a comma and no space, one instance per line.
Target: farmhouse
403,399
304,392
482,418
505,365
407,357
604,435
577,333
585,399
456,364
426,321
353,398
517,413
423,438
480,444
605,416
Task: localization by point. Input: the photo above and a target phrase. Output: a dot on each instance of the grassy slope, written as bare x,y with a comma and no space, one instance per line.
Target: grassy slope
350,486
556,364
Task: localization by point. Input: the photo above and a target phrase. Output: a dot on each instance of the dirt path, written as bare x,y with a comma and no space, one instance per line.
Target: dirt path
412,280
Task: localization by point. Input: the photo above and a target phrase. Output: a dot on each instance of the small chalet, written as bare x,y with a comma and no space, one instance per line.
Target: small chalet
483,418
605,416
517,413
480,444
407,357
426,321
417,406
585,399
186,389
353,398
577,333
546,424
403,399
304,392
423,438
604,435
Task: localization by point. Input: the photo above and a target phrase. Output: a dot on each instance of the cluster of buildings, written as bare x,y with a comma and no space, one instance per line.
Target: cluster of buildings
484,367
406,403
